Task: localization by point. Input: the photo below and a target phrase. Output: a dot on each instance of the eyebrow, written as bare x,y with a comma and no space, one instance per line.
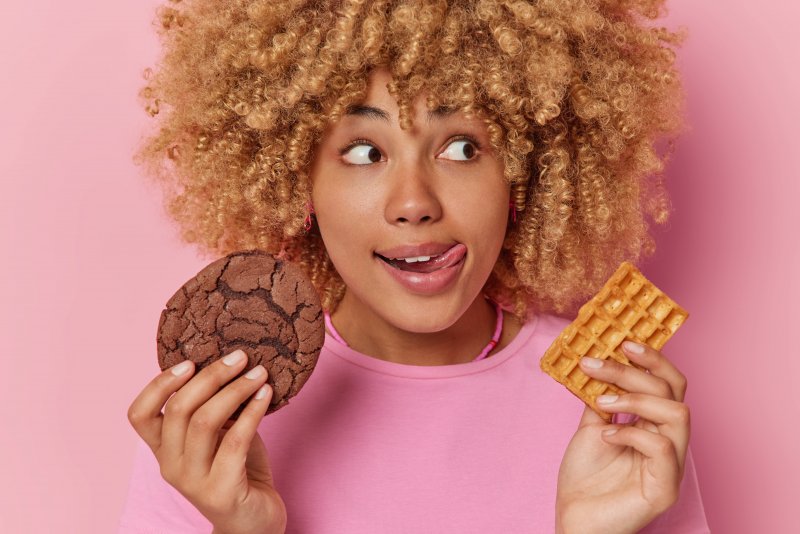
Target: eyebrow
371,112
368,112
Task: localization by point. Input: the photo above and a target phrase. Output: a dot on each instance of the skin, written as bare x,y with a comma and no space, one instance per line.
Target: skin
417,191
622,481
221,467
423,189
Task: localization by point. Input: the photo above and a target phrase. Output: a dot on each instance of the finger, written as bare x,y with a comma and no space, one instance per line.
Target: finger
658,365
627,377
257,464
662,465
181,407
144,413
232,455
205,425
590,417
672,418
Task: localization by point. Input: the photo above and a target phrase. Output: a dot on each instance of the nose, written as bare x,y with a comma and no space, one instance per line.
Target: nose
413,198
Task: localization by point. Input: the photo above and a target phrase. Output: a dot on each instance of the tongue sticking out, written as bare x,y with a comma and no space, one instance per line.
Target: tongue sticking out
447,259
415,267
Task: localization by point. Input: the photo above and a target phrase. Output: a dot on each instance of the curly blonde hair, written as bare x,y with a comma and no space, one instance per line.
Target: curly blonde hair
577,96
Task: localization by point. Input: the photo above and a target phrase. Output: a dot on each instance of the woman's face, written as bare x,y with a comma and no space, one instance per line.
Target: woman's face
413,220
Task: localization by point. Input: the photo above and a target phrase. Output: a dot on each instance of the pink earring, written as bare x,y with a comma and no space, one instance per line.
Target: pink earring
513,211
310,209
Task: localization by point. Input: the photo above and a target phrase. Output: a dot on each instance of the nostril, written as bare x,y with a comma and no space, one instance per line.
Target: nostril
425,218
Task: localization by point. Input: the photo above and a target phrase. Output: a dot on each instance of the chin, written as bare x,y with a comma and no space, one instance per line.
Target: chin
426,318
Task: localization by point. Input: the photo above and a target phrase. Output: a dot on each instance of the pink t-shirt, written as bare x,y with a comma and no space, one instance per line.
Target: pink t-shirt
370,446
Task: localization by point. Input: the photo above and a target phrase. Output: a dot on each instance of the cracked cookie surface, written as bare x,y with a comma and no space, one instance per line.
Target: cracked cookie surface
251,301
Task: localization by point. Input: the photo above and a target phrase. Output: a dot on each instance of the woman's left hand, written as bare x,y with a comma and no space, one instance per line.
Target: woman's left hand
619,477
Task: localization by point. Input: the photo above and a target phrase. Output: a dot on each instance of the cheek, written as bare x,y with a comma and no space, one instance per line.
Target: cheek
342,243
488,219
338,230
485,211
490,236
343,219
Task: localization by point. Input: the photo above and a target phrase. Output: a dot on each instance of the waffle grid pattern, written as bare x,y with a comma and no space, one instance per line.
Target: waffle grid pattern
628,307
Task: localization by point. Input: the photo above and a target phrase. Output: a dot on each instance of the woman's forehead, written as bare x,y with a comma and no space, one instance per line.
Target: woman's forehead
379,104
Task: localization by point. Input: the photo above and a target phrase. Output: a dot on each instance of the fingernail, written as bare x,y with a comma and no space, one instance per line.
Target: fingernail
182,368
592,363
262,392
632,347
255,372
233,358
610,431
607,399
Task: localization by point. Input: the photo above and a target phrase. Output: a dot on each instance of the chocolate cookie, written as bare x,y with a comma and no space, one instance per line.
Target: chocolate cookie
250,301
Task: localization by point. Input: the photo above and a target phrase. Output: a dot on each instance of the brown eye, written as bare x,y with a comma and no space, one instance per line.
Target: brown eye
362,154
460,150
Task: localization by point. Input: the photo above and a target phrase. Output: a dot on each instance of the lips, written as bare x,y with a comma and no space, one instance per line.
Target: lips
437,256
411,251
424,277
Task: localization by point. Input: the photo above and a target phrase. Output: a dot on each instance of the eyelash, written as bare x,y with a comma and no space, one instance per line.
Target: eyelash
356,142
474,142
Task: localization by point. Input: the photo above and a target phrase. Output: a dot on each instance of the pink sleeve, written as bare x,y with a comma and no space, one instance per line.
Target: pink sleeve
687,515
155,507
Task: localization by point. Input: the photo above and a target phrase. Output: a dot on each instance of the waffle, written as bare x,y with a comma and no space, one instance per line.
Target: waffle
627,307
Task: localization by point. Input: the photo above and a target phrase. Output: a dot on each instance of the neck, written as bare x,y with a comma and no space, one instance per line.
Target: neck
460,343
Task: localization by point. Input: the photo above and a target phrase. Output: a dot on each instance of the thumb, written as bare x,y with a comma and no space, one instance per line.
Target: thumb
257,463
590,417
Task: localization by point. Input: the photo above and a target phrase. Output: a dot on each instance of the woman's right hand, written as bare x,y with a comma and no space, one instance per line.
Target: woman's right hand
221,468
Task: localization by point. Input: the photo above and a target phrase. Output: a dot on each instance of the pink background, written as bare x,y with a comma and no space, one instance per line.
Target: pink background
90,259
